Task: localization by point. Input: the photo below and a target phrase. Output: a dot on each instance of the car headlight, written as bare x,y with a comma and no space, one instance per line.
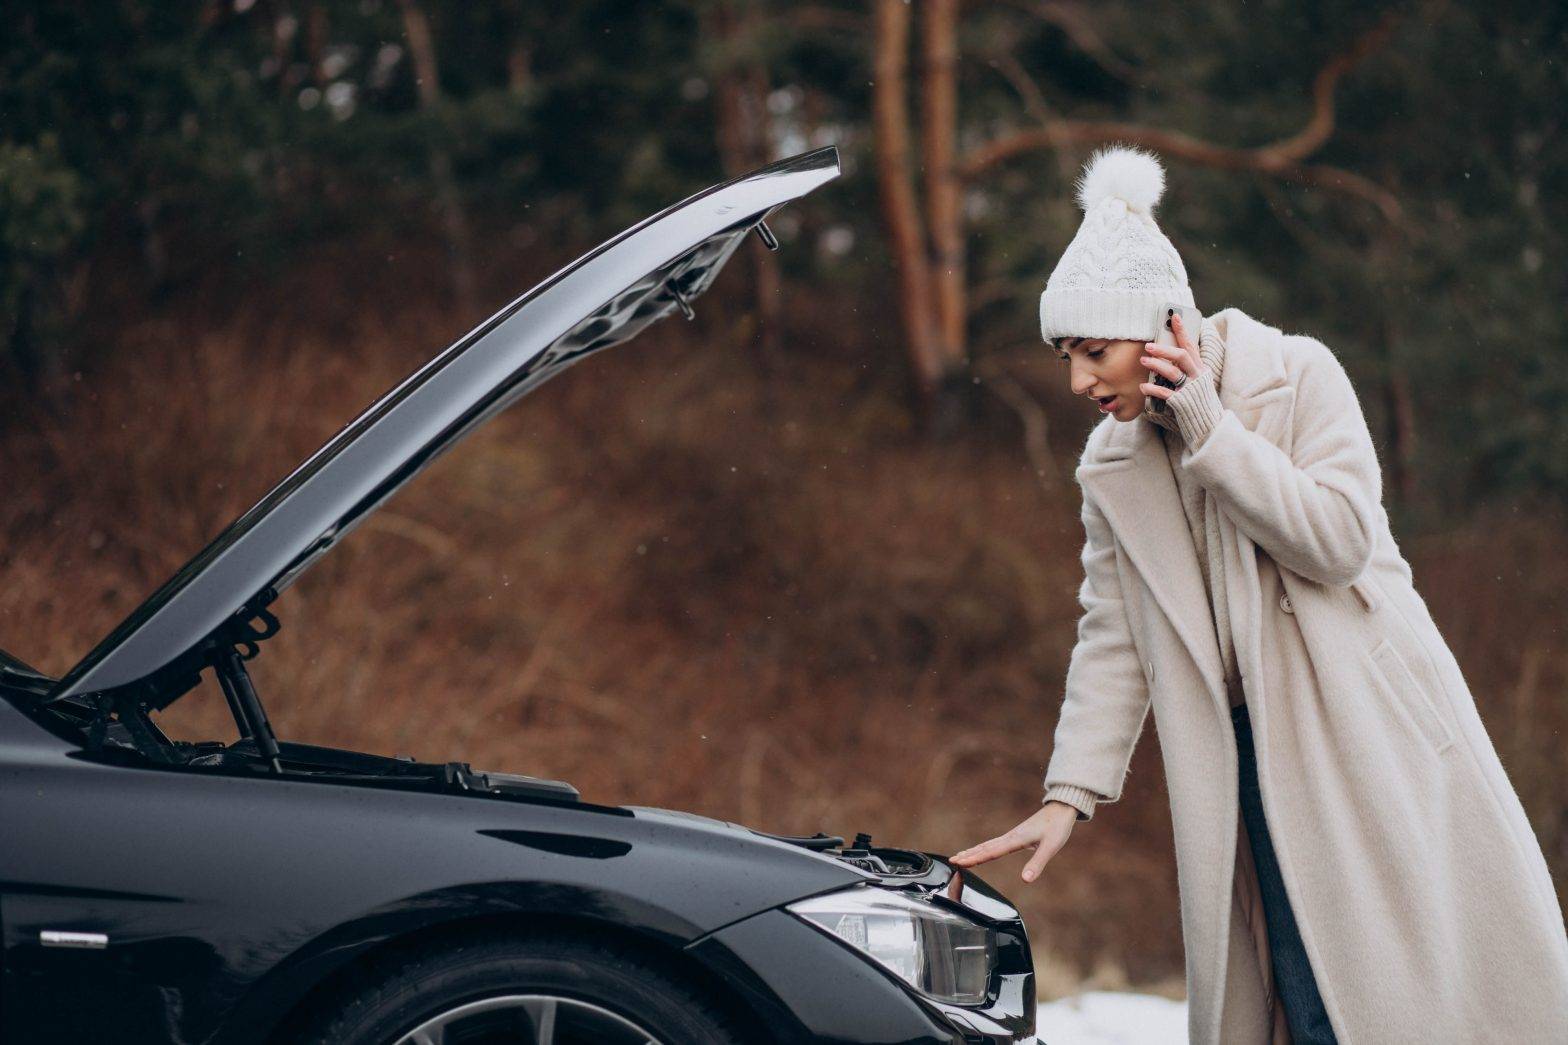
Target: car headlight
936,951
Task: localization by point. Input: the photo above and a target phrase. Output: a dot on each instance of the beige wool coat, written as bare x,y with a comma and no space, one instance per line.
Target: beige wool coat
1420,890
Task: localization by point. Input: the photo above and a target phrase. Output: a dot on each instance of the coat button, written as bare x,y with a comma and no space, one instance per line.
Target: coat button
1284,603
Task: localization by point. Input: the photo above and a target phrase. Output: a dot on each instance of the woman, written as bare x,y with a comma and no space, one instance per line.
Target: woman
1353,861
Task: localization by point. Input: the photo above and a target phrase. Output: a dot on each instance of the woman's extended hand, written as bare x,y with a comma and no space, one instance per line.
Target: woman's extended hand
1045,832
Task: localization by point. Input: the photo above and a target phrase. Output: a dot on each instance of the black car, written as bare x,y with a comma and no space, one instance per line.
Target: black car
269,891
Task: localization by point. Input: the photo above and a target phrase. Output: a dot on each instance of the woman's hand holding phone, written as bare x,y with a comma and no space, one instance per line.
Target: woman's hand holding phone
1045,832
1176,363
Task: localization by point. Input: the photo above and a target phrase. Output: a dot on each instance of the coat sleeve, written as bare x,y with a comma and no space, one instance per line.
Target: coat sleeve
1314,510
1107,694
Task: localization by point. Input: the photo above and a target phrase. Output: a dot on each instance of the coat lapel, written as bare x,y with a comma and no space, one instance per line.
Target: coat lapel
1132,483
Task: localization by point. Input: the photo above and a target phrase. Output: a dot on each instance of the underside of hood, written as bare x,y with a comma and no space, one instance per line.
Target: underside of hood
606,297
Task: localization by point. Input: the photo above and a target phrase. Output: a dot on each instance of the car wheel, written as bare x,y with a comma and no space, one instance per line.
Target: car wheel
543,991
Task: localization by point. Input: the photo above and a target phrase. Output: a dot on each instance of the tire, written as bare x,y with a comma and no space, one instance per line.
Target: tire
566,990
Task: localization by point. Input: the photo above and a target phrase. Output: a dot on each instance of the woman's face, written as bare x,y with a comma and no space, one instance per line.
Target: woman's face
1102,369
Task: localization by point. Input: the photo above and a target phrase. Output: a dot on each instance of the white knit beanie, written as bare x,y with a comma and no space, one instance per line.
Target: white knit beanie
1120,268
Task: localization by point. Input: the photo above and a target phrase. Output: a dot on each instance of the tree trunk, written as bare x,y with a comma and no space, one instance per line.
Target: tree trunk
1402,436
283,28
944,214
317,31
1400,477
421,48
900,212
519,67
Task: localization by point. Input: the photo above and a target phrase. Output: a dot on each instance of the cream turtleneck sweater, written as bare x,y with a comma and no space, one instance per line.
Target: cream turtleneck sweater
1193,412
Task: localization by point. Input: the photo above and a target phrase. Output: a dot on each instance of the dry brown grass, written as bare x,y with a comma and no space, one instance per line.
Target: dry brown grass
671,585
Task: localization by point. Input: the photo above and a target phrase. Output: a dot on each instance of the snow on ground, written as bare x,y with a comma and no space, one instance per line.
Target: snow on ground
1113,1018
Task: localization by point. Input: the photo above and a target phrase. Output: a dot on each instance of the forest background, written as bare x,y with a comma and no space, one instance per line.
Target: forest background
810,561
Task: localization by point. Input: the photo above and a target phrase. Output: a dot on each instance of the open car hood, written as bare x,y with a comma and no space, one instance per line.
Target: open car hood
604,298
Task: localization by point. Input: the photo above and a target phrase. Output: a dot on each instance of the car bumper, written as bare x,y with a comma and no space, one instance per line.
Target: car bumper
805,988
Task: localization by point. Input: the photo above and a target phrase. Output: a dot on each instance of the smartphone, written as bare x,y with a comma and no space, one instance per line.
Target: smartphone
1191,320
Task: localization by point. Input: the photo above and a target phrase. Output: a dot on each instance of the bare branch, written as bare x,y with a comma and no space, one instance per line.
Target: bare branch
1036,428
1281,159
1177,145
1318,129
1341,180
813,16
1029,92
983,295
1074,21
1303,233
1037,425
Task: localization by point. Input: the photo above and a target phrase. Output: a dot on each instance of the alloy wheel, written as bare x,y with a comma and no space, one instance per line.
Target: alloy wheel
528,1019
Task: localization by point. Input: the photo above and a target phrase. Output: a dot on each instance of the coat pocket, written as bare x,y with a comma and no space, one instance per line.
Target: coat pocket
1367,592
1410,697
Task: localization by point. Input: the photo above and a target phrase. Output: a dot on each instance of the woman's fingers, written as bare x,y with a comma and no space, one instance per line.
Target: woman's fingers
1187,341
1163,366
990,849
1045,832
1167,360
1010,843
1053,835
1042,855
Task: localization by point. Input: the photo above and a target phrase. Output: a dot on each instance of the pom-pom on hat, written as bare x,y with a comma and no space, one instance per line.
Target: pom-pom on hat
1119,269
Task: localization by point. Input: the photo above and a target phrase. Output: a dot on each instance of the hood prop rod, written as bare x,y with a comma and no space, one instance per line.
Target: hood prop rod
228,663
681,300
235,680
